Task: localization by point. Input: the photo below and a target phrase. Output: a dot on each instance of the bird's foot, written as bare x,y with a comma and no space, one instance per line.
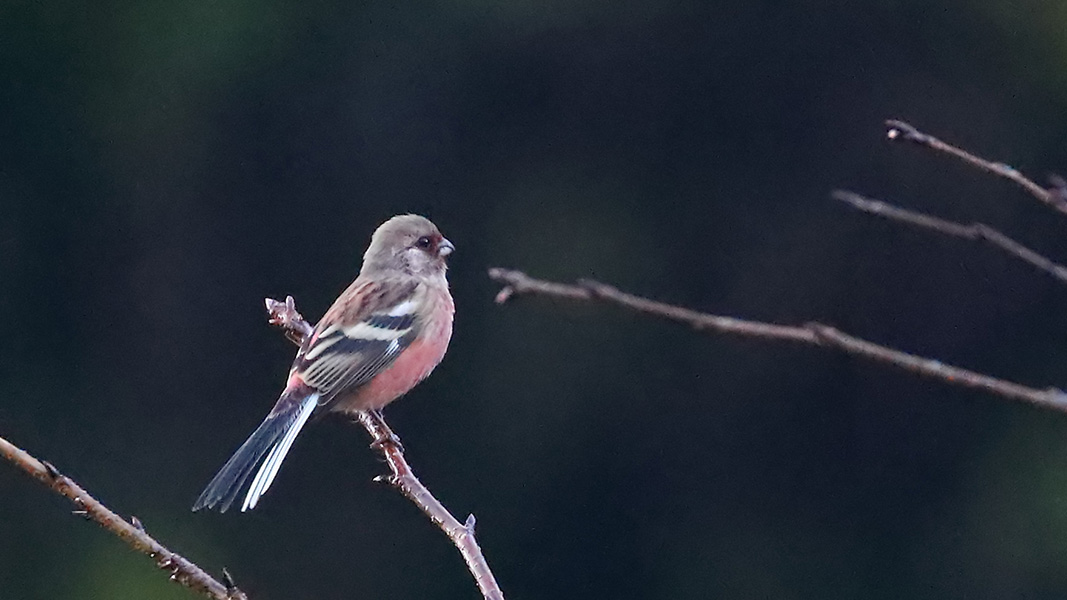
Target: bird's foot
382,443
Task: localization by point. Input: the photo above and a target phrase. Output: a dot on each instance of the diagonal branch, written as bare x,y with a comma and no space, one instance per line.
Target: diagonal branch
1056,196
284,315
973,231
813,334
132,532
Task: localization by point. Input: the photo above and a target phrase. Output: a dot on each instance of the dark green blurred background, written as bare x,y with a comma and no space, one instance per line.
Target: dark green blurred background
166,165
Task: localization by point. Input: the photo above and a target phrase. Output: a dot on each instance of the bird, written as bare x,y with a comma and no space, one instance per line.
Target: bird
383,335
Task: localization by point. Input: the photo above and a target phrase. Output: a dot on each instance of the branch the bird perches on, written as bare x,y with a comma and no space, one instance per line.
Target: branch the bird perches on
285,315
185,572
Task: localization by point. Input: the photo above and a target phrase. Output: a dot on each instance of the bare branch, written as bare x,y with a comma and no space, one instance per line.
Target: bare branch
814,334
1056,196
132,532
973,231
284,315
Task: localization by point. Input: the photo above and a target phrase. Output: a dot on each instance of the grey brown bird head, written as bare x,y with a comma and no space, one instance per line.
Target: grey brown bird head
410,244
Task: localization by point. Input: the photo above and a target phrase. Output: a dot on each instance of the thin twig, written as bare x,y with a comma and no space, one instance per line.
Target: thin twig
132,532
974,231
1054,196
815,334
284,315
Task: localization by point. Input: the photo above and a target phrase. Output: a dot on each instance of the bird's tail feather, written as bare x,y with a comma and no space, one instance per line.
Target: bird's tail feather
272,439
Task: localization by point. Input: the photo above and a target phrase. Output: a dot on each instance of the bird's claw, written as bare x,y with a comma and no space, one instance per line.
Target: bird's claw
381,444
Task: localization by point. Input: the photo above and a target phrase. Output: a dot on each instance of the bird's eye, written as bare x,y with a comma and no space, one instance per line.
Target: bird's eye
424,242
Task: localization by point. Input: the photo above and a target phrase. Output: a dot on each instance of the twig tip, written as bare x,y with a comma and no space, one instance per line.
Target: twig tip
228,581
900,130
504,294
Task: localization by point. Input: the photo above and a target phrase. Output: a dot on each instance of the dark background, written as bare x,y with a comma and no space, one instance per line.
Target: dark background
165,165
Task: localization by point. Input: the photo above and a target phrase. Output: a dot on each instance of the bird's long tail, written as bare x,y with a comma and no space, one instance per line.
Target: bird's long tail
272,439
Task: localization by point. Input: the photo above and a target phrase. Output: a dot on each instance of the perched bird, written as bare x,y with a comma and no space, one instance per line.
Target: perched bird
383,335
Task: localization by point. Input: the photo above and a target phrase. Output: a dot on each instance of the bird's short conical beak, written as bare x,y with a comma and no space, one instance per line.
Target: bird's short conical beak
445,248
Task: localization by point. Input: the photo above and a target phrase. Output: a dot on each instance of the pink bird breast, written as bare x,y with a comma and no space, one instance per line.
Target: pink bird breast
413,365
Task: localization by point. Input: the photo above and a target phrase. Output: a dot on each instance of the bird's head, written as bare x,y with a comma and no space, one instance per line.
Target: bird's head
410,244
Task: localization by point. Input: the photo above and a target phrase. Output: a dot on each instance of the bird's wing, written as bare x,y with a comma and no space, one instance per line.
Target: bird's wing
368,326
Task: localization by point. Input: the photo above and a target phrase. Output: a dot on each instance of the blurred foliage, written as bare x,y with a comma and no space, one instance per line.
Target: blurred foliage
165,165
